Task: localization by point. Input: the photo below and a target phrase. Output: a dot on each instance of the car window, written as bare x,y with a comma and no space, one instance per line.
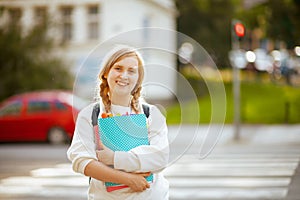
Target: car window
11,109
38,106
60,105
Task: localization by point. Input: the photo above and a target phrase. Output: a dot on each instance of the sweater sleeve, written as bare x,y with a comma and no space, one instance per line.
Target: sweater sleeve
153,157
82,149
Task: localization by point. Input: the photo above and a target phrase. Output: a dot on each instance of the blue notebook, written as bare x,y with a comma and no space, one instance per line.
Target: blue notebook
123,133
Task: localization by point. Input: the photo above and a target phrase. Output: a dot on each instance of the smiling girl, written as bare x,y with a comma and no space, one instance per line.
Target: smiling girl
121,83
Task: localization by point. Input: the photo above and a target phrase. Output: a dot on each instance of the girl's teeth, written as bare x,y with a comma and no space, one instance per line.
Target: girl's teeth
123,84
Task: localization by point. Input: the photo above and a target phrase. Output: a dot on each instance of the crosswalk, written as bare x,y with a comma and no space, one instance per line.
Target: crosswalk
58,182
222,175
232,176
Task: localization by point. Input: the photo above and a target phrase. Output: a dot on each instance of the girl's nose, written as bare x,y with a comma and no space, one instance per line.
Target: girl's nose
124,74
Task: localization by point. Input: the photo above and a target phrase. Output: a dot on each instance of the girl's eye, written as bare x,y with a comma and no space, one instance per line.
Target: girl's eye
132,70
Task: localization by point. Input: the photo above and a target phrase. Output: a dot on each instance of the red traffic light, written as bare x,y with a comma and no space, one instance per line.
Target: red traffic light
239,29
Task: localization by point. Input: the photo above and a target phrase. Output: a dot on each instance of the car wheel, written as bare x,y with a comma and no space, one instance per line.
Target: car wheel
57,135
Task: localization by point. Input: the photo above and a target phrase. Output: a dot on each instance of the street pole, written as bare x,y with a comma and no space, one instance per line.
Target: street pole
236,101
237,32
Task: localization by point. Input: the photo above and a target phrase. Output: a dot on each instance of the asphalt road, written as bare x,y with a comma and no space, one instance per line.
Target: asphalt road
18,159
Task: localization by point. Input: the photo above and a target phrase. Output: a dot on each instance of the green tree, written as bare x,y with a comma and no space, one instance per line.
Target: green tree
277,19
27,61
209,23
284,28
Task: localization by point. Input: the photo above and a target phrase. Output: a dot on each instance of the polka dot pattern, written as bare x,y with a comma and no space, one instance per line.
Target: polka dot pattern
123,133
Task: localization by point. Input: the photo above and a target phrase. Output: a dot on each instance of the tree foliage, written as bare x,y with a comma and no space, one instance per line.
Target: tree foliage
27,61
209,23
277,19
283,21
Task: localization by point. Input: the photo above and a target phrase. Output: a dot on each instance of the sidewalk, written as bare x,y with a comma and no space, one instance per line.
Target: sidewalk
249,134
263,134
204,137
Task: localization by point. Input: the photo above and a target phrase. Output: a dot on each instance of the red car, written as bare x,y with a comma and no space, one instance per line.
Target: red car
39,116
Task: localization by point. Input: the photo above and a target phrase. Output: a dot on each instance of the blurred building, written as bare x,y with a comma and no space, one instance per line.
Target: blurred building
86,29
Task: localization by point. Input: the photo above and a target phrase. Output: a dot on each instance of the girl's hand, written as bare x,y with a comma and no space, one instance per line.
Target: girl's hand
106,156
137,181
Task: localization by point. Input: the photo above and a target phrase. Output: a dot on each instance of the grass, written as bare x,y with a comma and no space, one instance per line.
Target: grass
261,103
268,103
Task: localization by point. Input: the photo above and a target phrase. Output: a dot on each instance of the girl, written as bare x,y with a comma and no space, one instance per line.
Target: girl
121,83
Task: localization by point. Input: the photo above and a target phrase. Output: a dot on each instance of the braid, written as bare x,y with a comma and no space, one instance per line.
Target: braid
104,89
135,99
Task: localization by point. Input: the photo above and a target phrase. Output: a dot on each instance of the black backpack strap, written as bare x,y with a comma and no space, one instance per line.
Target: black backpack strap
95,114
146,110
94,118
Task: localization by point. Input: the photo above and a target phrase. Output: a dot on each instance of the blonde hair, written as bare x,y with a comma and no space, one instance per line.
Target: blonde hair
110,59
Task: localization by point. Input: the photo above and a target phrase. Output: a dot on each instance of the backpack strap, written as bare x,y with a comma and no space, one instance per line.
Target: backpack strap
94,118
95,114
146,110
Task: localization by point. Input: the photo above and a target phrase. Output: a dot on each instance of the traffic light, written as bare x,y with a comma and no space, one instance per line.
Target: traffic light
238,29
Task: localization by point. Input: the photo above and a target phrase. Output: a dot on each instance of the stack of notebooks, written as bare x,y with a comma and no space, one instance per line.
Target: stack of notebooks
123,133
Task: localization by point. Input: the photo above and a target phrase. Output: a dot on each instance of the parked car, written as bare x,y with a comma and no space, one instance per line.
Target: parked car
39,116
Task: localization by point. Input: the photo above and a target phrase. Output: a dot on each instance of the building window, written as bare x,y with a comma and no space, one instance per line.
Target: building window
40,14
67,25
67,31
93,30
93,22
15,15
93,10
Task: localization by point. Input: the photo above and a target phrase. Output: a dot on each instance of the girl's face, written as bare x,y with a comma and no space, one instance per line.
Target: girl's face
123,76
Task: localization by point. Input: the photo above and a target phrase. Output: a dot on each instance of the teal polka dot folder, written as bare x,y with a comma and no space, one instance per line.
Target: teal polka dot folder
123,133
